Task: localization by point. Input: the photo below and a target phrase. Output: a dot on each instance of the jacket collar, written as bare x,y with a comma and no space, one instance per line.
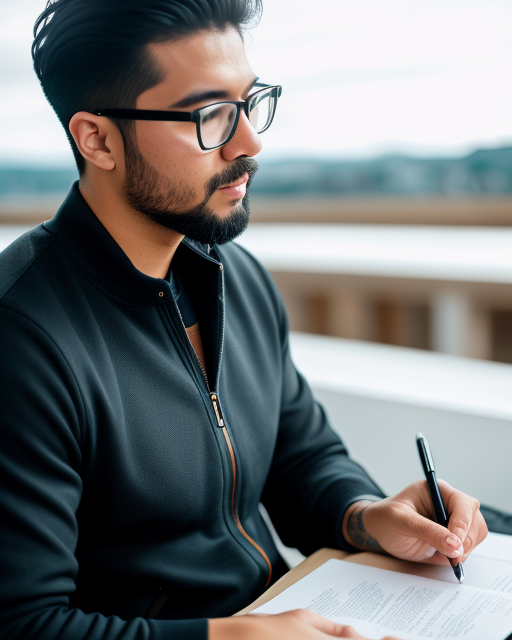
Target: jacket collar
96,251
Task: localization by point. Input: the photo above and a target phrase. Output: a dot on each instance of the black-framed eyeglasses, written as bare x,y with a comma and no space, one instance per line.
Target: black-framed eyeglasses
216,123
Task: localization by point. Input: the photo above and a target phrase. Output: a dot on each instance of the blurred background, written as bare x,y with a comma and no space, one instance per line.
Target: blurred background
382,207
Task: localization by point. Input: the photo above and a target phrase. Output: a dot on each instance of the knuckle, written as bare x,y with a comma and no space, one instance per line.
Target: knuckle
461,523
444,485
303,615
418,485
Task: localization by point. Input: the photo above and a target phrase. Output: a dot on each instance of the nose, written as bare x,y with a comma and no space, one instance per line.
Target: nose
245,141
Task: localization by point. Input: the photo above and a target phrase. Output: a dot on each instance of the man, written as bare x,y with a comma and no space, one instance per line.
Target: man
149,403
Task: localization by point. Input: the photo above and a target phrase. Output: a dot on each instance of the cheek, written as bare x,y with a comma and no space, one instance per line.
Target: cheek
172,148
168,142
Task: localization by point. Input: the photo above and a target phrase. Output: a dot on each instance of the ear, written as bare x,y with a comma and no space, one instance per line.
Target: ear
97,138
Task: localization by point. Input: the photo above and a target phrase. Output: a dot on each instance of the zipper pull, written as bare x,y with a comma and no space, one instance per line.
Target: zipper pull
218,410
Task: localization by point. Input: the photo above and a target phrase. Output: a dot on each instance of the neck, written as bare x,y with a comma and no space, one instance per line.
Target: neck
150,247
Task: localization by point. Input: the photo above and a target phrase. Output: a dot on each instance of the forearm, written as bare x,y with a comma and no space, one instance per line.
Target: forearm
73,624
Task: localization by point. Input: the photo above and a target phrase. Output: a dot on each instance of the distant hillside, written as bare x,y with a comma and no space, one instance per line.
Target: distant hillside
24,182
482,172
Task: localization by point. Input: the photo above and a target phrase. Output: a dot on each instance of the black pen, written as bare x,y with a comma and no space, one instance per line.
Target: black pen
430,474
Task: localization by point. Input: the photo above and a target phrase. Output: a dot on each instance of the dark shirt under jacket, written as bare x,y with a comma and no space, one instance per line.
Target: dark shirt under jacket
116,474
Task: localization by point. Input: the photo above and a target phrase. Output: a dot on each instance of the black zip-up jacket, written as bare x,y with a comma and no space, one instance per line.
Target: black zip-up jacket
127,484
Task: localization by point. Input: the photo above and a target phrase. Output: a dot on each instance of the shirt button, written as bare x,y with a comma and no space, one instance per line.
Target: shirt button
160,294
221,266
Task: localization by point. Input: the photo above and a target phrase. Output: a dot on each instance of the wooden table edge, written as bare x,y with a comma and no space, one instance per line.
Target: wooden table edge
294,575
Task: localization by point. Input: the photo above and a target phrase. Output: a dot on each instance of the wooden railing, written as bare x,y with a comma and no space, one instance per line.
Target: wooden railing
478,211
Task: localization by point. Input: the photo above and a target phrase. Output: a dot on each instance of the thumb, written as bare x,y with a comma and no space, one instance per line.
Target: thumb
436,536
326,626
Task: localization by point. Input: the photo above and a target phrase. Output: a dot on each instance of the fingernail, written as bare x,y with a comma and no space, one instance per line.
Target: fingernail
430,552
458,552
453,541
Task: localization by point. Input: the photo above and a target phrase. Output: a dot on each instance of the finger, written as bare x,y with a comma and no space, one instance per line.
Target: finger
350,632
440,560
477,534
469,545
343,631
429,552
433,534
330,628
461,507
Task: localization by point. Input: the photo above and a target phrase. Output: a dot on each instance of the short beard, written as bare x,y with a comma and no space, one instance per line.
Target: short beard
164,202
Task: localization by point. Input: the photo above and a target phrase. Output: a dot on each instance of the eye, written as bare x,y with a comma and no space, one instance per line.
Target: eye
214,113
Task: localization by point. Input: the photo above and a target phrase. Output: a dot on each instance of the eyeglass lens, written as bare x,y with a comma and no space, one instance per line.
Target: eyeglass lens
262,111
218,120
217,123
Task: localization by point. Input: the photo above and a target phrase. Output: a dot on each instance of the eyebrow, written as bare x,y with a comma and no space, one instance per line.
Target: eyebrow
204,96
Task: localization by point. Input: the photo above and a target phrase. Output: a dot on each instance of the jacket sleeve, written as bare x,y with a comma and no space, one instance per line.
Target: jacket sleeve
41,420
312,480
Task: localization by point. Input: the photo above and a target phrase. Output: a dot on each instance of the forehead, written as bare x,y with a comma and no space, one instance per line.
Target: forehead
207,60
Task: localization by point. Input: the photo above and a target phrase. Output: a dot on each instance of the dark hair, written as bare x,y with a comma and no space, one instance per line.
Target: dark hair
91,54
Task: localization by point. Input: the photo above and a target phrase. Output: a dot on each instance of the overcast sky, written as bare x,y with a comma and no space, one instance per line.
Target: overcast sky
360,78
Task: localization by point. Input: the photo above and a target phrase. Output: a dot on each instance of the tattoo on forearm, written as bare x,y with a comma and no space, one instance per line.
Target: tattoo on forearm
357,534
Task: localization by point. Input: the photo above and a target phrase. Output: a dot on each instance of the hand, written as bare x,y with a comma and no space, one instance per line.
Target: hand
292,625
404,525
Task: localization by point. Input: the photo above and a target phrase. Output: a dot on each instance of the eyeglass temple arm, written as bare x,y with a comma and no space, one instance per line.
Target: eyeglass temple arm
146,114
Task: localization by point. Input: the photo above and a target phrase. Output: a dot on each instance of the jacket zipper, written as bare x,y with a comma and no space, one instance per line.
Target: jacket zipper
221,424
234,509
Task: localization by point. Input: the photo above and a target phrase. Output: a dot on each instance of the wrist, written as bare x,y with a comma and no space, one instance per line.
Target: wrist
234,628
354,528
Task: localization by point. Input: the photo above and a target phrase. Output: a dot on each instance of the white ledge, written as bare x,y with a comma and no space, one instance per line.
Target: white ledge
457,254
406,376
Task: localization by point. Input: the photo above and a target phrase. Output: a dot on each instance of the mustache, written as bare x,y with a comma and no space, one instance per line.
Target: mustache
232,173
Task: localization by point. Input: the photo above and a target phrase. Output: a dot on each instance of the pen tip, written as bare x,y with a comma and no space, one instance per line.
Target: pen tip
459,572
419,435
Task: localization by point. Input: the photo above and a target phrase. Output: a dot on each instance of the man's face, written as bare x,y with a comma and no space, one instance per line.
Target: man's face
169,179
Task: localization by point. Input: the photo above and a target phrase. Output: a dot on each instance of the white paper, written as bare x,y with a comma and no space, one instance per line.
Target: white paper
377,602
480,572
496,545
